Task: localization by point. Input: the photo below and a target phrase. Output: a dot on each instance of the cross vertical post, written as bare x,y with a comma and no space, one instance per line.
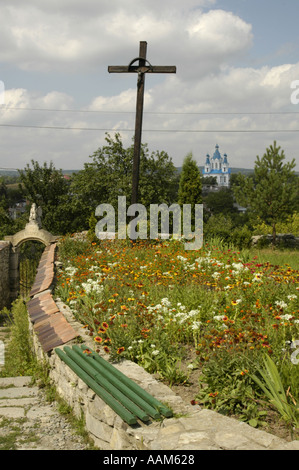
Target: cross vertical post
138,122
142,68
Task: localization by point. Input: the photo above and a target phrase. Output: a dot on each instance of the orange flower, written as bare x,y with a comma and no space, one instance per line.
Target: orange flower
106,349
105,325
120,350
98,339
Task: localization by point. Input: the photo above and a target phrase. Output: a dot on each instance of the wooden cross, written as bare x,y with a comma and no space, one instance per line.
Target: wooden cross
142,68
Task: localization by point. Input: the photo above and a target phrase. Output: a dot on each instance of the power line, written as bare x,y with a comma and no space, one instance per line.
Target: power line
150,112
25,126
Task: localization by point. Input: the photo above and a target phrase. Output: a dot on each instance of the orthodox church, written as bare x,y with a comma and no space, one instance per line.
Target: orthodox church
218,167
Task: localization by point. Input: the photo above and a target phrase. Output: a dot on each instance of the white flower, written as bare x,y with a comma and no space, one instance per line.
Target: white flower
156,352
292,297
195,325
238,266
281,304
286,317
216,275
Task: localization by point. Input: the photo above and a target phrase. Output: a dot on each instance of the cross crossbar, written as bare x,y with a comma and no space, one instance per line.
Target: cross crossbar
142,69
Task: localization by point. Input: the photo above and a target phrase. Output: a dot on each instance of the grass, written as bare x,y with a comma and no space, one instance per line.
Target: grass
286,257
19,356
8,441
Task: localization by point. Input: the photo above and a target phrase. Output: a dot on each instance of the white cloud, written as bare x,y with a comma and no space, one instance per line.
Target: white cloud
69,37
65,39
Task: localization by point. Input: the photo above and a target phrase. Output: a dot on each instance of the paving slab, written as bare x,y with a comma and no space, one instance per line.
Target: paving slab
12,412
15,381
15,392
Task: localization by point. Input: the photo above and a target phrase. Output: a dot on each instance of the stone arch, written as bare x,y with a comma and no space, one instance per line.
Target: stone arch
32,232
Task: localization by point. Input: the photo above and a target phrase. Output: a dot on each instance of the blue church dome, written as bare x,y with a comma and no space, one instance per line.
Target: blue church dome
218,167
216,153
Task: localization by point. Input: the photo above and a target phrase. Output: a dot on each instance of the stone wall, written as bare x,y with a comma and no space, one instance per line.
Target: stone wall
4,274
283,240
105,427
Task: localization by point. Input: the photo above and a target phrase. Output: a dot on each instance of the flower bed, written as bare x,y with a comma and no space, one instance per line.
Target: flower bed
152,302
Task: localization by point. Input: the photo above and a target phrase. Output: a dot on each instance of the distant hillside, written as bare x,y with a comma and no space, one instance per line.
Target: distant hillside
243,171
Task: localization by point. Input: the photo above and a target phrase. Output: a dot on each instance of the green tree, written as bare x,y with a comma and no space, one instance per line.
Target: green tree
271,194
190,182
190,186
221,202
46,187
109,175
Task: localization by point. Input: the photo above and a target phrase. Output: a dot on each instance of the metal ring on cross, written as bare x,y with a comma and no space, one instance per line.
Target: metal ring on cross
150,67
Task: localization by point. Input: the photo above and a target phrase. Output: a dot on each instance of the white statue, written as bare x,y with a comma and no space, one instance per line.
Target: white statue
36,215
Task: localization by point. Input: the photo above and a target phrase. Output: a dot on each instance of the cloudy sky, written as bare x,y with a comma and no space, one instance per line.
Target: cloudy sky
235,59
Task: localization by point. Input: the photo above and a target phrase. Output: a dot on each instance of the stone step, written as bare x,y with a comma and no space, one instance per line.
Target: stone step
26,407
16,396
18,392
15,381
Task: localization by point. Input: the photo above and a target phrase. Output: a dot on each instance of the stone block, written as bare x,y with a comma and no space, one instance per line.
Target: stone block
120,440
98,428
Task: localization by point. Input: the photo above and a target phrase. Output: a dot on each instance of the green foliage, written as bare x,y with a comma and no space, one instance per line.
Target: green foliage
226,387
91,232
219,226
70,248
241,237
221,202
19,356
190,183
269,380
272,193
290,225
46,187
109,175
